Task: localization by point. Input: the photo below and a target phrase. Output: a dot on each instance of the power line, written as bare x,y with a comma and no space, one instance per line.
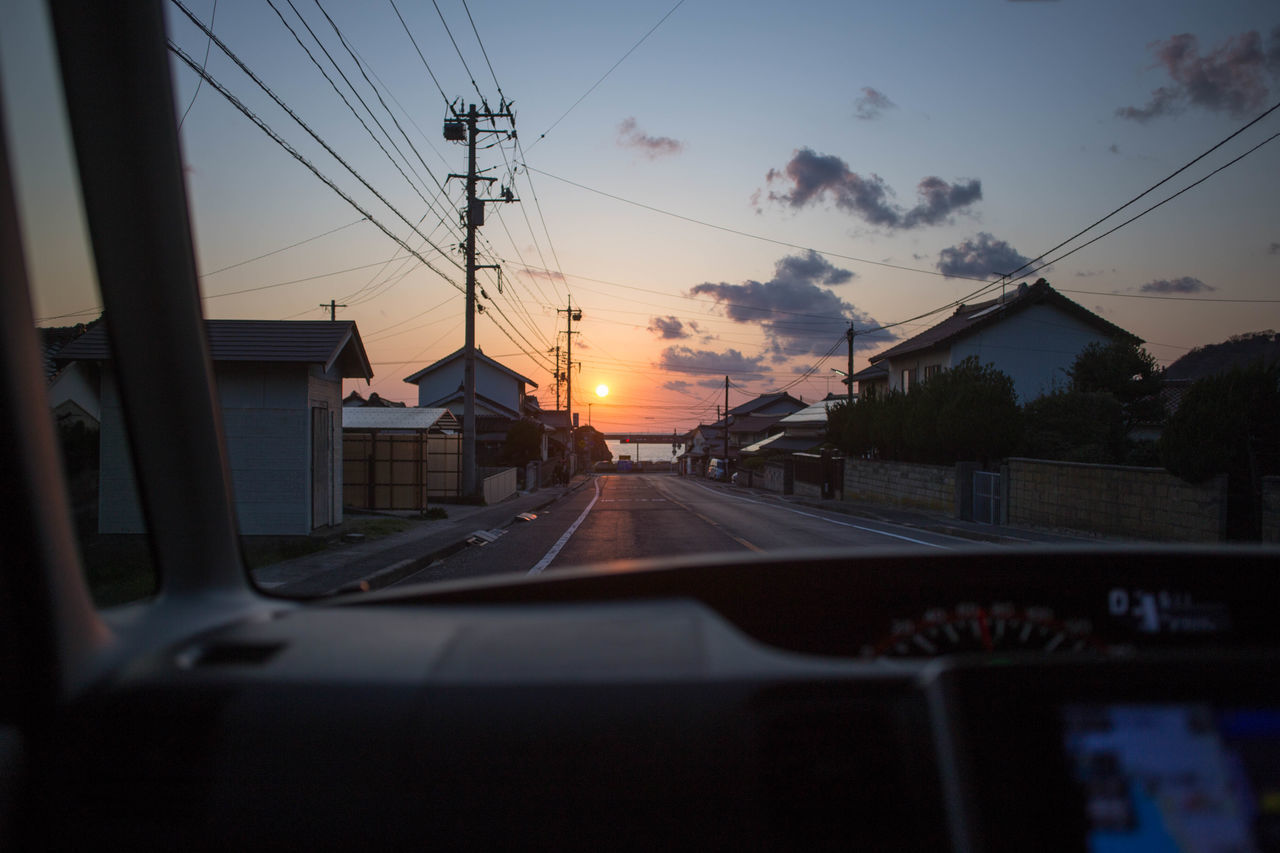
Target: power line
1172,298
303,160
360,67
425,64
213,17
465,66
343,96
480,42
1148,190
607,73
1166,201
282,249
744,233
239,63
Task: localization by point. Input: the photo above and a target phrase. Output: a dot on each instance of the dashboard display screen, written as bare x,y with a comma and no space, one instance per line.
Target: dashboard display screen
1177,777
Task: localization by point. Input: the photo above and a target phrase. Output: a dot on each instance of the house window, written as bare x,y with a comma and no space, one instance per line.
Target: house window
908,379
931,371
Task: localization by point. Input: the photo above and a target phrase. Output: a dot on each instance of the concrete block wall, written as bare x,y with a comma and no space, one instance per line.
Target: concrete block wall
900,483
498,485
1145,503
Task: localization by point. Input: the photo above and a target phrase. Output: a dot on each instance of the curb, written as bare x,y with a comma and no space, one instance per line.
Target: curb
401,570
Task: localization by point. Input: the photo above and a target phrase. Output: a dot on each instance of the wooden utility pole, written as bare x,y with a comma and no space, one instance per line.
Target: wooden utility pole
465,127
726,428
849,378
333,307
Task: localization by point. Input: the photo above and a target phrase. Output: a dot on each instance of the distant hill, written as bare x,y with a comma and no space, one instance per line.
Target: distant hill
1237,351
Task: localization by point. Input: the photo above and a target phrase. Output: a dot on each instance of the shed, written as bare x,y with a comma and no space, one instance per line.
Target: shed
280,388
399,458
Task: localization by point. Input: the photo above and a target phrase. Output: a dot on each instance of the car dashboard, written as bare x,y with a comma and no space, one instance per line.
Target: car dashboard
690,704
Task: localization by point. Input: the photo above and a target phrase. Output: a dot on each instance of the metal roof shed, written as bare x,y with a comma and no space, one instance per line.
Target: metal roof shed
280,389
398,459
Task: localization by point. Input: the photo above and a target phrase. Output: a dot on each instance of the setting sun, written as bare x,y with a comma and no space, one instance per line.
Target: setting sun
602,390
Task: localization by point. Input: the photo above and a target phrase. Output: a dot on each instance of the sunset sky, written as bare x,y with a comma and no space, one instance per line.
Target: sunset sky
744,183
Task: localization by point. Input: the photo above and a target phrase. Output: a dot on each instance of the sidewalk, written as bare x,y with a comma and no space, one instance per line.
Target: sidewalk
362,566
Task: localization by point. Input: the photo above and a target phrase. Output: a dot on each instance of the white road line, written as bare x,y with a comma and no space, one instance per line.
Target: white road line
564,539
828,520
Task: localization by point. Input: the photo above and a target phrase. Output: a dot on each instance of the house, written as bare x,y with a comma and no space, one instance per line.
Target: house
280,388
72,386
748,423
798,432
500,391
502,398
399,458
1033,334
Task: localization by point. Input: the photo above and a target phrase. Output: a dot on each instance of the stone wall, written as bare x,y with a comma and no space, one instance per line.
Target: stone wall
1145,503
900,483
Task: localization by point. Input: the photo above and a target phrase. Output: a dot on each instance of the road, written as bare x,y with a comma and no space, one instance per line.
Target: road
619,516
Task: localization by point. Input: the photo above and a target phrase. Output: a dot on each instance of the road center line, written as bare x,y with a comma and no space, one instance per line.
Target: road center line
832,520
564,538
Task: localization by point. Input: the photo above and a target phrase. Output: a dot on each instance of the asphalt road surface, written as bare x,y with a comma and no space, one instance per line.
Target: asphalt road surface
633,516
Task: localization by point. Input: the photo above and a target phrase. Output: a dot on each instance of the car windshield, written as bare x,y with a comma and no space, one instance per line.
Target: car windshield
497,287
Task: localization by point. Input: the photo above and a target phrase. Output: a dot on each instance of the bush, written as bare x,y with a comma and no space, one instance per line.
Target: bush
968,412
1075,426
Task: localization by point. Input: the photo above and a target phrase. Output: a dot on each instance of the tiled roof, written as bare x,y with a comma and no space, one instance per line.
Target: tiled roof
376,417
970,318
479,355
324,342
762,401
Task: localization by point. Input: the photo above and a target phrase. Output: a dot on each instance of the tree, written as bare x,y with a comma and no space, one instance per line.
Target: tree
1126,371
1074,426
589,440
1229,424
968,412
524,443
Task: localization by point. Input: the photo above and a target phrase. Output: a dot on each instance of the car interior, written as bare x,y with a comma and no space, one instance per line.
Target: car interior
992,698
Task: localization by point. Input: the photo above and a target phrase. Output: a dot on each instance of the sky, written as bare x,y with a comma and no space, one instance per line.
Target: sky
719,187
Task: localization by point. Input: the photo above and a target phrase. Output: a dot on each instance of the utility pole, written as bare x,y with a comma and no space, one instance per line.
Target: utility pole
464,127
558,377
849,378
726,428
333,307
571,315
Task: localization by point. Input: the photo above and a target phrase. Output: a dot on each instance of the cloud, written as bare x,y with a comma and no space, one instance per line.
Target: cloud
653,147
1274,249
1186,284
980,257
670,327
813,176
798,316
872,104
677,385
682,359
1231,79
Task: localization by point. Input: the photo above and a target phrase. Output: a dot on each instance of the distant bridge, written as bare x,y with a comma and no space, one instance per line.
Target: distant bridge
643,437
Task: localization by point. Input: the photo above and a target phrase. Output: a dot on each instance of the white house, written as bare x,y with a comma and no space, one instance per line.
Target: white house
280,388
500,391
1033,334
